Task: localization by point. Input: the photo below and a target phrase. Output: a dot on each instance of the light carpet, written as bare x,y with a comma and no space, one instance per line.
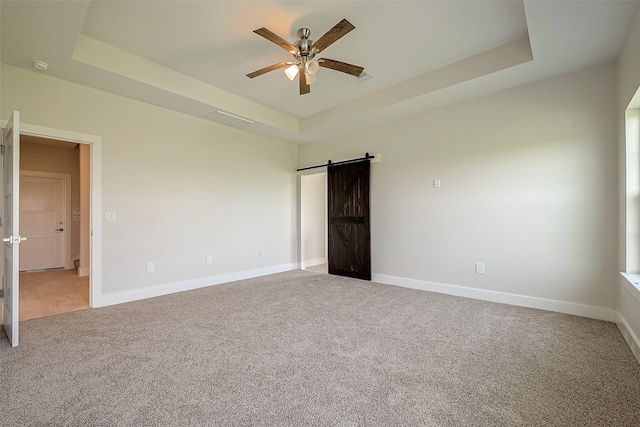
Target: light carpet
300,348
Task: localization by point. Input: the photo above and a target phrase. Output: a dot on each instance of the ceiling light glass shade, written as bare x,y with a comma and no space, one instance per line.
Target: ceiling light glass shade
291,71
310,78
312,67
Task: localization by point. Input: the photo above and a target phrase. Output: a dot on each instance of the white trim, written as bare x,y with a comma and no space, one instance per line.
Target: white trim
629,336
187,285
312,262
68,262
95,280
591,311
632,283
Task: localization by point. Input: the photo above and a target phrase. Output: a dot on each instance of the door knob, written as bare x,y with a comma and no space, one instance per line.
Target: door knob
59,229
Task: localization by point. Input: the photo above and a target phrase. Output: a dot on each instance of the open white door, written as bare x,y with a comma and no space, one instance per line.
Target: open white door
11,180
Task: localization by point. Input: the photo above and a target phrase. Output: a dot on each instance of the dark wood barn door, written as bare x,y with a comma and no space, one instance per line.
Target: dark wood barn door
349,228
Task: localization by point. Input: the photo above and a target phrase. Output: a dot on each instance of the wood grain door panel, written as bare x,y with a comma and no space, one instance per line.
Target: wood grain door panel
349,248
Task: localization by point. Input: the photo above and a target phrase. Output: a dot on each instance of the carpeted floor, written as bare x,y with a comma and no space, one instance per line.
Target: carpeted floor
300,348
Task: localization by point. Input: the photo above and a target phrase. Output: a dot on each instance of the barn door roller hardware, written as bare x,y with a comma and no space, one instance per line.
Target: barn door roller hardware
367,156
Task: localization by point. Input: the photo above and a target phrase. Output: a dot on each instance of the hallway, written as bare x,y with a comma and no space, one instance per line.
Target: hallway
45,293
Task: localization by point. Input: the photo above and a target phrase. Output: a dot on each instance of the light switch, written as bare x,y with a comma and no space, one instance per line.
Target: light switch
109,216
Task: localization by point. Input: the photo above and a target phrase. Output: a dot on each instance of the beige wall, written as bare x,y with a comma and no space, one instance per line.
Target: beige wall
183,188
628,85
56,159
529,187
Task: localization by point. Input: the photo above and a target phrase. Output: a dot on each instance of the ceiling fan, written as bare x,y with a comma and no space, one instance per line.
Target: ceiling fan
304,51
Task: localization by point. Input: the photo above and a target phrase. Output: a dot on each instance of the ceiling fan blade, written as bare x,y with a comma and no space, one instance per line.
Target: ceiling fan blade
269,68
273,37
304,87
340,29
343,67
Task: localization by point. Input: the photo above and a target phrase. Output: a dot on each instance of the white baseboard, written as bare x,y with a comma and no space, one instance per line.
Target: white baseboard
83,271
591,311
187,285
312,262
629,336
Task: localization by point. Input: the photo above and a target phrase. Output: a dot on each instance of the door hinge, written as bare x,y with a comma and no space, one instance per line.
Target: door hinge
2,149
1,221
1,293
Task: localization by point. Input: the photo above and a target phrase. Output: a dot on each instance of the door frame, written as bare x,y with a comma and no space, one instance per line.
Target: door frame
68,263
95,224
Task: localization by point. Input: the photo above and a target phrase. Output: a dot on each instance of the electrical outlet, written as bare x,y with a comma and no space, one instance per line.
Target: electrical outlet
436,183
479,267
209,260
151,267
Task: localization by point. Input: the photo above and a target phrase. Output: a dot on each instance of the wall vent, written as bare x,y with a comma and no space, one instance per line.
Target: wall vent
229,119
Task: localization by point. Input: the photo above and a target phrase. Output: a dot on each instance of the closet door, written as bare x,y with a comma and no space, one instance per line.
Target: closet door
349,250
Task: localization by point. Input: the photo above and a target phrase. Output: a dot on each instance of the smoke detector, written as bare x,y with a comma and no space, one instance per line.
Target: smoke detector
40,65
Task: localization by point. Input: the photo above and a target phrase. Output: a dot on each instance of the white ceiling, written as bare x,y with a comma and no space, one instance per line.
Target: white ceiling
193,56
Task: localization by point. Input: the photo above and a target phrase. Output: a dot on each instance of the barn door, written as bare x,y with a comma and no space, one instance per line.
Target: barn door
349,249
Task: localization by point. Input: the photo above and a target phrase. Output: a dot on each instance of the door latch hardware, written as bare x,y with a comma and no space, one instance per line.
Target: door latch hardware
14,239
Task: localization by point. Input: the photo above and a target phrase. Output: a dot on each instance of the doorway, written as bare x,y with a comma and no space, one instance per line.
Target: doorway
335,219
313,222
51,199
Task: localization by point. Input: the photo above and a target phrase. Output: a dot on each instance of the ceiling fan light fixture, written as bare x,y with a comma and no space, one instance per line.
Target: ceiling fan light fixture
310,78
312,67
292,71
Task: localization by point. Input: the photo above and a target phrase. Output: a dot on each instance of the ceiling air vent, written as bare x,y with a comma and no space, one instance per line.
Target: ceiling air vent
229,119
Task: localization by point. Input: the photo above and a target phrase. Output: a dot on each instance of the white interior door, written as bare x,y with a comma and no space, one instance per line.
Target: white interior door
42,221
11,240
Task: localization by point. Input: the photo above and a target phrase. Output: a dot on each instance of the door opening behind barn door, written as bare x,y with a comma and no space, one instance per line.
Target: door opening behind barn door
313,219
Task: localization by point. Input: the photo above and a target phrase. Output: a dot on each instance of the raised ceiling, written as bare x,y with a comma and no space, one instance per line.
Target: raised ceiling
193,57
